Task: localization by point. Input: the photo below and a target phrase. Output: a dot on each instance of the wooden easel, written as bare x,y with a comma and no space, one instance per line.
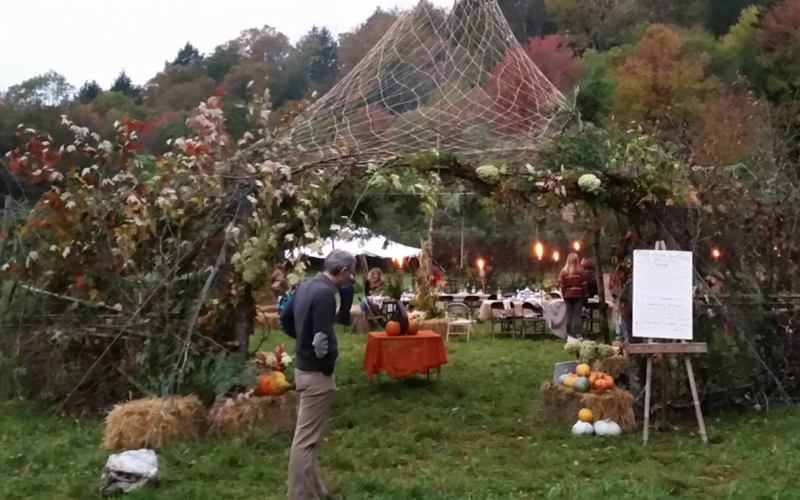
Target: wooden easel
684,349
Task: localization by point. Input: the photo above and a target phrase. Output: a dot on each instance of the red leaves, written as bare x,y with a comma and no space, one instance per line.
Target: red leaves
136,126
780,26
78,282
554,59
519,100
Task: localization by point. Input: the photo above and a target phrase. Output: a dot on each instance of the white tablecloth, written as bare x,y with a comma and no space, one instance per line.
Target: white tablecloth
554,312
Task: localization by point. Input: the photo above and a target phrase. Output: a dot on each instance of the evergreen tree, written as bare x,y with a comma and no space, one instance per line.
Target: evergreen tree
321,51
89,91
187,55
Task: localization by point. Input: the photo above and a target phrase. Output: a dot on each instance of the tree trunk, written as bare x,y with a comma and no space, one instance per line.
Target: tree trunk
244,321
601,289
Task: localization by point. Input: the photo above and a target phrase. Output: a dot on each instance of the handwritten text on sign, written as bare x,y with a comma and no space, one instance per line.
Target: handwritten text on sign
662,294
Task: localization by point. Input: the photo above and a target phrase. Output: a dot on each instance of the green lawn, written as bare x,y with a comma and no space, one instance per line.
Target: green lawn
479,433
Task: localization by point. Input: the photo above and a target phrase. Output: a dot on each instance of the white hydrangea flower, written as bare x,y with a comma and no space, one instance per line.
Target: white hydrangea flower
488,174
589,183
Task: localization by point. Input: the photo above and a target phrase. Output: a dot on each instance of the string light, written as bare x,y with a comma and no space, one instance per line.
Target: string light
715,253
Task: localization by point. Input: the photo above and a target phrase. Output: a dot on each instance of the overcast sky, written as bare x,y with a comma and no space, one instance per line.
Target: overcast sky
95,39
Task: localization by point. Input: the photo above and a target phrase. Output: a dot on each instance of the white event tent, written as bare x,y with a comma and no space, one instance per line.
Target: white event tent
360,241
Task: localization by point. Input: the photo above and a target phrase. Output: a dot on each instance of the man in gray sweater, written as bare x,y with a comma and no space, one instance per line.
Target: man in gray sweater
309,318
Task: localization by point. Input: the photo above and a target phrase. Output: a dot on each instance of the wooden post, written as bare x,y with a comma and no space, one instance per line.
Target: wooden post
646,434
697,410
664,389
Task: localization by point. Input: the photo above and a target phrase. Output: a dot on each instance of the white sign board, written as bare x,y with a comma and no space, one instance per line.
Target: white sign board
662,294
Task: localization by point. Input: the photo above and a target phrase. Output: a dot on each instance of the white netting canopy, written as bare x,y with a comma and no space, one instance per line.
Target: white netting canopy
456,81
360,241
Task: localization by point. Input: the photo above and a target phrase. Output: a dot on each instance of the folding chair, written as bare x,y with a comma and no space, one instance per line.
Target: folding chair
501,316
473,302
532,314
459,320
591,317
443,301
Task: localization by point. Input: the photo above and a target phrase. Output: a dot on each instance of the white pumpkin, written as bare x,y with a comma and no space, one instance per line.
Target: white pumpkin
582,429
607,428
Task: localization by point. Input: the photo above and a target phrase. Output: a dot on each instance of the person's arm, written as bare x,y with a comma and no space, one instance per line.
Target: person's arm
286,319
323,316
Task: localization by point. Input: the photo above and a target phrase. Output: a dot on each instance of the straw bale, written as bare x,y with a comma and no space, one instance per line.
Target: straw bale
563,404
435,325
614,366
275,414
164,421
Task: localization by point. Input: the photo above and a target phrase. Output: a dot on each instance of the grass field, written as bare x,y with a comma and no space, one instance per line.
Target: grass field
479,433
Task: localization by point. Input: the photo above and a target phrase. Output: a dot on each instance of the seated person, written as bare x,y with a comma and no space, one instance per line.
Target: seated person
373,281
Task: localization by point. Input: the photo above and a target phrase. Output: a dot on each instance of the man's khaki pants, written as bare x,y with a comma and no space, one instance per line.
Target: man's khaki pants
316,395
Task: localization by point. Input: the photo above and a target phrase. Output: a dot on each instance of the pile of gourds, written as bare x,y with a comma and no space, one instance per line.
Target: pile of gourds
584,380
584,426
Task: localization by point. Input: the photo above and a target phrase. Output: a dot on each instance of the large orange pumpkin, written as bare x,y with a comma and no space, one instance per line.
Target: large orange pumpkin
413,328
392,328
266,386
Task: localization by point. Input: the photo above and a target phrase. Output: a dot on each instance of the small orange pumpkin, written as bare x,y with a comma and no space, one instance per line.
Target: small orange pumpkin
392,328
609,381
600,385
413,328
266,386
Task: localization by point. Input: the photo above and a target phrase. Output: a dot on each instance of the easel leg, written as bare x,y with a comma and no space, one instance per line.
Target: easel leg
647,399
697,410
664,394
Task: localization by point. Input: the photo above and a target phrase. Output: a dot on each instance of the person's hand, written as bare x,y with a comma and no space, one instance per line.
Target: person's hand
320,344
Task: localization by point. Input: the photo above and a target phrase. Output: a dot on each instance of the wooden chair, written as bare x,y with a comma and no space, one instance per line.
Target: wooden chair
532,314
459,320
503,317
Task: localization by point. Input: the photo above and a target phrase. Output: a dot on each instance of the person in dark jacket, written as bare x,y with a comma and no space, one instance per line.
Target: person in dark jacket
346,294
574,289
591,277
309,318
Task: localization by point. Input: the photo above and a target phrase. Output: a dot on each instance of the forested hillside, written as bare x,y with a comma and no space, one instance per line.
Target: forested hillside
711,76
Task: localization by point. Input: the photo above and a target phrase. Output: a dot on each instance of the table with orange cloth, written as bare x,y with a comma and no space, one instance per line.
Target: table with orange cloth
403,355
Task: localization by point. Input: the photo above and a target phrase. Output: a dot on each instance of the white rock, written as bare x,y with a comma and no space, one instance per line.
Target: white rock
128,471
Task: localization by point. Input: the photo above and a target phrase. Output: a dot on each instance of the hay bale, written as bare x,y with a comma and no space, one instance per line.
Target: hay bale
562,404
614,366
275,414
164,421
435,325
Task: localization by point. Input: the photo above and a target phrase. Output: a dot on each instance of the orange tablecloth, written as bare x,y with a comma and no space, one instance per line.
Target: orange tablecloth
403,355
